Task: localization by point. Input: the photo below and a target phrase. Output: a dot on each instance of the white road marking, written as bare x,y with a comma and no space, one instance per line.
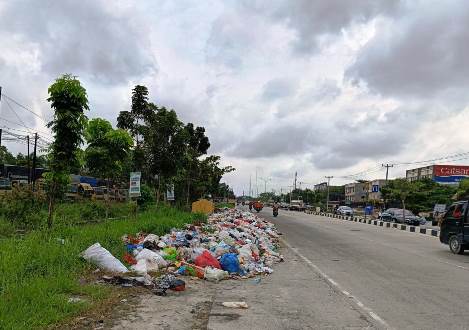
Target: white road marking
337,287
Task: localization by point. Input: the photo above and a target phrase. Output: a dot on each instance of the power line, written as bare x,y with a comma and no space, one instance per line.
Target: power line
9,106
24,107
27,127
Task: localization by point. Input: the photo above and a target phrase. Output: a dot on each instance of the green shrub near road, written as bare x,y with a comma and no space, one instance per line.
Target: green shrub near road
222,205
38,273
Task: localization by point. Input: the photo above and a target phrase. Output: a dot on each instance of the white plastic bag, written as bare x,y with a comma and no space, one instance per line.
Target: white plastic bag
144,266
214,274
151,256
102,258
152,238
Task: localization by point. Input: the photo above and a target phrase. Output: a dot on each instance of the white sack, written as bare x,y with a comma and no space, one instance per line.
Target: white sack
102,258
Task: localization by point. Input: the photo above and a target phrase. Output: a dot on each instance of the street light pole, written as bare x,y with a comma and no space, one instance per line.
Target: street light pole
328,184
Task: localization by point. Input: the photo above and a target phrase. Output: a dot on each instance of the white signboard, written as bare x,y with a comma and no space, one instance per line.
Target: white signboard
170,193
134,190
439,208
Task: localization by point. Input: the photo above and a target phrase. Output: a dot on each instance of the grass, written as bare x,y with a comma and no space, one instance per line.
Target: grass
224,204
38,273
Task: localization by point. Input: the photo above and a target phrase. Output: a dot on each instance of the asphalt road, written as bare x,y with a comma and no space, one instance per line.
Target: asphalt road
401,280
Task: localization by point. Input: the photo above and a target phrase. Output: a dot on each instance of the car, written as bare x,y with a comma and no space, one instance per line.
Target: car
344,210
454,227
397,215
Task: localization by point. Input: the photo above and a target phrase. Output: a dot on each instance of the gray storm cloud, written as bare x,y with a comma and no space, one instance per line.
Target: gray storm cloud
88,38
420,54
313,19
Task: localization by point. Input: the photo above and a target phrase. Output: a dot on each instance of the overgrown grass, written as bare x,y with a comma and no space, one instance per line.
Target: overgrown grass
224,204
38,273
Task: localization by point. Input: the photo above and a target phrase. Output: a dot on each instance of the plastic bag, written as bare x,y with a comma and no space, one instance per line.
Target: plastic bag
144,266
245,254
152,256
206,259
235,304
102,258
230,263
221,249
170,253
214,275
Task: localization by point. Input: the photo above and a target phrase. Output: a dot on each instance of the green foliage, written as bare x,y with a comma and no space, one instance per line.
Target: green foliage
463,189
23,208
38,273
419,195
108,150
6,157
69,101
147,197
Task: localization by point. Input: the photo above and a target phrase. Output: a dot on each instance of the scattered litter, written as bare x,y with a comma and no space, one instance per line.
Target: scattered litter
102,258
74,300
232,244
168,281
235,304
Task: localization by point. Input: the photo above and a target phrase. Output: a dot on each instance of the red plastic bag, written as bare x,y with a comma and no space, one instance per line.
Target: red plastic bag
206,259
129,259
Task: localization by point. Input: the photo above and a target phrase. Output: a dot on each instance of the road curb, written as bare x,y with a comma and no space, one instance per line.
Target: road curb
384,224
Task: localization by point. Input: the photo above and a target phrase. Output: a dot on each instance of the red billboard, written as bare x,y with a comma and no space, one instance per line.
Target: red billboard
450,170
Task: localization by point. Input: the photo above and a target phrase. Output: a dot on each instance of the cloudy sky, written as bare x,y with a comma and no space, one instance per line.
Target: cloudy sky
318,87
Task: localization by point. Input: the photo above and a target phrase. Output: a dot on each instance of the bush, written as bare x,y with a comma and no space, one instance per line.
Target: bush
39,273
147,197
24,208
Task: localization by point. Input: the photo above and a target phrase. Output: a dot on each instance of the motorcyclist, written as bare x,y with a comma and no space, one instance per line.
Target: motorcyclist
275,208
250,205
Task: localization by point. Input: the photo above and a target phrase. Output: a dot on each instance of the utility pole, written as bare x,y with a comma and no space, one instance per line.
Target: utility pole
29,164
295,181
34,161
387,172
265,183
257,188
387,169
328,184
250,191
1,137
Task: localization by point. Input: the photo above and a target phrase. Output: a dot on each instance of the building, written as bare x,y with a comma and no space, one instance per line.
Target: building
444,174
355,192
373,189
320,186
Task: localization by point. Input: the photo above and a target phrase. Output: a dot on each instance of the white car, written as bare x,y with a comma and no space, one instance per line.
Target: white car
344,210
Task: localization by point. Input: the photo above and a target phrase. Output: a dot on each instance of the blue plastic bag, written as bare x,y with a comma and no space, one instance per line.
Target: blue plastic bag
230,263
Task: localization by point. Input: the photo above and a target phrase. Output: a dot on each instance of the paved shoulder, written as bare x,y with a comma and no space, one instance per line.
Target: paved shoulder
293,297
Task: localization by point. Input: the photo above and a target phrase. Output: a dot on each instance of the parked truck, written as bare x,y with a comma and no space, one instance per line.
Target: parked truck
297,205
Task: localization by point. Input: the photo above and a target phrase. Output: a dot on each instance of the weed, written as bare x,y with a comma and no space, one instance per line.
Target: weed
38,273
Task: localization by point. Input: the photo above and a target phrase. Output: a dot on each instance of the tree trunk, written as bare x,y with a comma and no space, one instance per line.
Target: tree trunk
158,191
188,192
107,199
51,210
403,211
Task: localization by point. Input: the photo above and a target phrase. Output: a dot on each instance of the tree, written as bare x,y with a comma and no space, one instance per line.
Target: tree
400,189
108,149
208,175
463,189
6,157
133,122
69,101
197,145
164,145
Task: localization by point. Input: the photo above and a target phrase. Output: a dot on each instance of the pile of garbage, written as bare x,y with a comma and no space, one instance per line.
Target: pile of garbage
232,244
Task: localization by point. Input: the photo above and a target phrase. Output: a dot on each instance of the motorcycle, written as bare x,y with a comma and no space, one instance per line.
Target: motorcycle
275,212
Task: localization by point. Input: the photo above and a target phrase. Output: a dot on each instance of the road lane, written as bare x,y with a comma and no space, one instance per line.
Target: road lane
411,281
